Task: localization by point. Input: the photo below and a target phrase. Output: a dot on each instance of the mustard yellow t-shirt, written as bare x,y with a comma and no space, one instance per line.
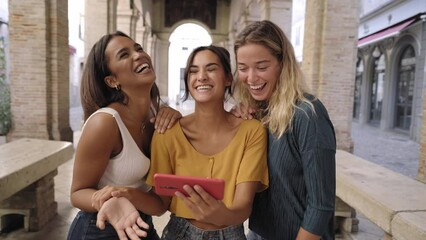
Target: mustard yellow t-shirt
243,160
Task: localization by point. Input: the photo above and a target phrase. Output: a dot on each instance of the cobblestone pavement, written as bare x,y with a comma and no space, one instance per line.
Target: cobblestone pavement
387,148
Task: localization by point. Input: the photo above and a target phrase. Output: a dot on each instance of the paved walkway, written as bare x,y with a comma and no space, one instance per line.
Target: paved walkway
390,149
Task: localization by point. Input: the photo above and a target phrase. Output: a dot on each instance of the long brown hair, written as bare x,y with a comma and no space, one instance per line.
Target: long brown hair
94,92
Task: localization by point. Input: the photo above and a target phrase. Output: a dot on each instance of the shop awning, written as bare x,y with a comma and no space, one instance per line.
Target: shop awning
389,32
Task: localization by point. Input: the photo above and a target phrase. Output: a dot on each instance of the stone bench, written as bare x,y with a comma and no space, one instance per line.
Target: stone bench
392,201
27,169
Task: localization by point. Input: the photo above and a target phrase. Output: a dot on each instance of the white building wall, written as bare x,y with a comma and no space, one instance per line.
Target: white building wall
380,14
298,27
4,32
76,35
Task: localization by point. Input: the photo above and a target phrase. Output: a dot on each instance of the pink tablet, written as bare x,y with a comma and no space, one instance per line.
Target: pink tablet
168,184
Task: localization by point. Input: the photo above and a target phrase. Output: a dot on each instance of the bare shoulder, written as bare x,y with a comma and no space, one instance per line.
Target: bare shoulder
100,122
186,121
100,128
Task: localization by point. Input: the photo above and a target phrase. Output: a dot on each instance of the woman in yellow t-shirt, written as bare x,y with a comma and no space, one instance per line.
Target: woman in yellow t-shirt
212,143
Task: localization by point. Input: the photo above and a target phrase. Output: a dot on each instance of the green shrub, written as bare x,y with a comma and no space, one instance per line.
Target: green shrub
5,115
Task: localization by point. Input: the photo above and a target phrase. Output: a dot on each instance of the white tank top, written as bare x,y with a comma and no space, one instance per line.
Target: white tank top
130,167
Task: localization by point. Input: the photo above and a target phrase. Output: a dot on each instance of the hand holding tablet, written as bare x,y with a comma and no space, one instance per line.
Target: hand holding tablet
168,184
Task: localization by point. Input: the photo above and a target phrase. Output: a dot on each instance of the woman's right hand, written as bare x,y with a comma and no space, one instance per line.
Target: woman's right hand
166,118
202,205
242,111
102,195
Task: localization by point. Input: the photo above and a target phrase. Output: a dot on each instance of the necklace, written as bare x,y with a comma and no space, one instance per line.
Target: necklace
143,127
144,122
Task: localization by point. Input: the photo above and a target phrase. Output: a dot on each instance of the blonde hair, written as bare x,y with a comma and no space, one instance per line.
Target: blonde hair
279,110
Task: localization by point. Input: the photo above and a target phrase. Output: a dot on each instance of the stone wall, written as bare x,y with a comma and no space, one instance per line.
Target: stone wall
99,20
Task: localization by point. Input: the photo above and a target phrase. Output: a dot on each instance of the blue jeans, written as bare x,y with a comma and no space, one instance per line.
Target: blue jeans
180,229
84,228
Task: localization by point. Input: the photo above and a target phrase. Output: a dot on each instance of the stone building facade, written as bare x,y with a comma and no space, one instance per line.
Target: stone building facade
390,69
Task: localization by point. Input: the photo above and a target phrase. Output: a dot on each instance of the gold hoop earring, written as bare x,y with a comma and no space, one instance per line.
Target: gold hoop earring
117,87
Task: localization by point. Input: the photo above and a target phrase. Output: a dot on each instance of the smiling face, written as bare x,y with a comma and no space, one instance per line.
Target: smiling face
258,69
128,63
206,77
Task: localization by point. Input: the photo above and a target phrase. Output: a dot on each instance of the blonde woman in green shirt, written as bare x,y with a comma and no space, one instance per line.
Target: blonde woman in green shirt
299,203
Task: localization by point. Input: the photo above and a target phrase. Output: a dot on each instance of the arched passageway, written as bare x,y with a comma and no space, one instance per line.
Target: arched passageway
183,40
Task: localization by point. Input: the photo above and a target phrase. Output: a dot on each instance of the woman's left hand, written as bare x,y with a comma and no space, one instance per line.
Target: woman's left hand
203,206
165,119
124,217
242,111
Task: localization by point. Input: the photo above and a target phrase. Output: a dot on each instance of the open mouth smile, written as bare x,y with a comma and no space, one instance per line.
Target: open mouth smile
142,68
257,87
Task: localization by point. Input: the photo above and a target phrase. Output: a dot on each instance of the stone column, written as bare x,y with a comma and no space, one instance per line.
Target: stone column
140,33
421,114
127,16
149,44
160,61
100,19
39,70
329,60
279,12
421,174
388,103
365,53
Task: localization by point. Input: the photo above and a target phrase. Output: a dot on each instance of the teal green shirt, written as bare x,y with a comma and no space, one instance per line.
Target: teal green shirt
302,179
